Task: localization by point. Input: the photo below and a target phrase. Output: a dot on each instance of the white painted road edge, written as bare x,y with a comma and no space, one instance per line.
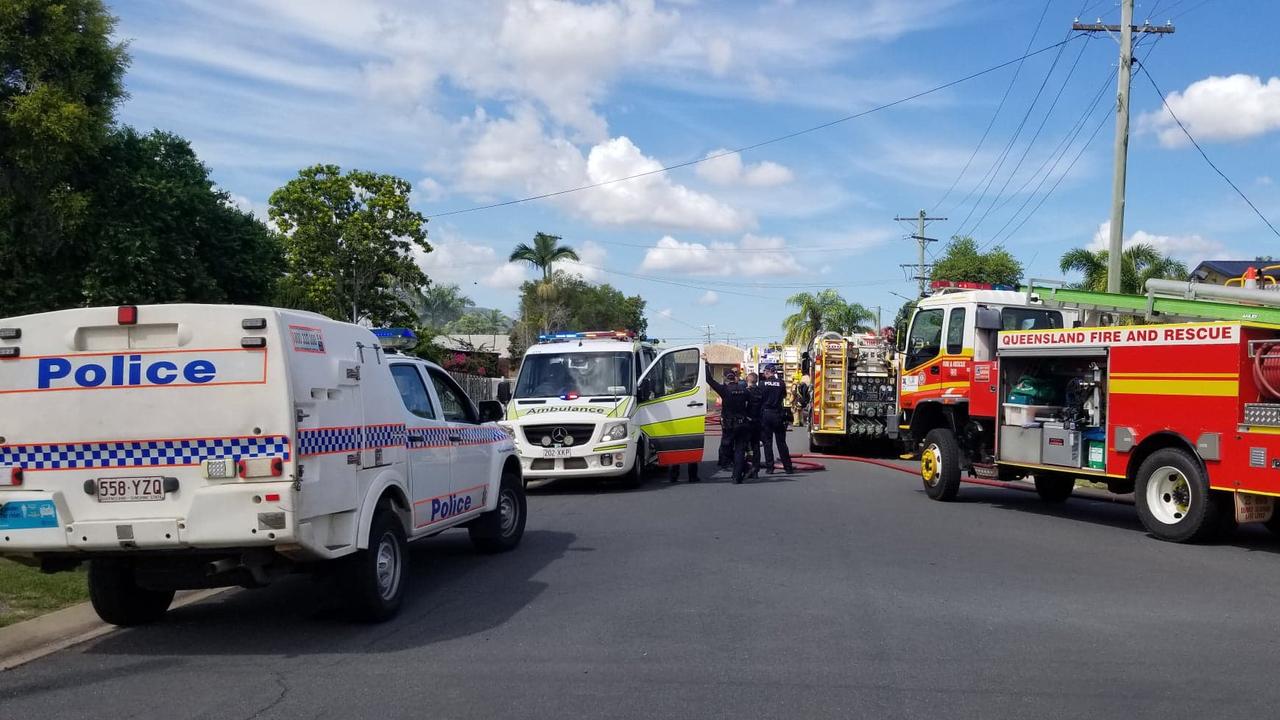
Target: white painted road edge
35,638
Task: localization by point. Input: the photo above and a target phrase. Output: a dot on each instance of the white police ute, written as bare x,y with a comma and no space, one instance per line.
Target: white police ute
192,446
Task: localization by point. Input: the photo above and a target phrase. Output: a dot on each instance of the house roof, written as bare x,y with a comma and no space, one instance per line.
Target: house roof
500,343
722,354
1229,268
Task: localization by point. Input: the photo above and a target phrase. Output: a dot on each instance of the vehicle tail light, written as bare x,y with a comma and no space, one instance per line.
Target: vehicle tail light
251,468
127,315
15,477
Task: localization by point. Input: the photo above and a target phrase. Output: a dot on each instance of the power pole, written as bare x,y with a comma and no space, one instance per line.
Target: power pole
1115,246
919,237
708,329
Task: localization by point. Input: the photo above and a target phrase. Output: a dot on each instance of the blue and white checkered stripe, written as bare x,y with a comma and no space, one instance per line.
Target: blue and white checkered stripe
140,453
324,441
439,436
483,435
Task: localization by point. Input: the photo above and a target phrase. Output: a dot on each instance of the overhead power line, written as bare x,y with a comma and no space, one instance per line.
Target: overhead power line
999,107
1186,132
762,143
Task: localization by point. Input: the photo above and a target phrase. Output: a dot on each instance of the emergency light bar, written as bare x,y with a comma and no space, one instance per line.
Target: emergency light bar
966,285
588,335
396,338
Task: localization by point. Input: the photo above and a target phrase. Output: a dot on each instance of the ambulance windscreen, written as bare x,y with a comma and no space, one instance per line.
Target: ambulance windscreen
584,374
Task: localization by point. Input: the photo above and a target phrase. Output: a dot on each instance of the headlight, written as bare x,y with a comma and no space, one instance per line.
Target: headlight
615,431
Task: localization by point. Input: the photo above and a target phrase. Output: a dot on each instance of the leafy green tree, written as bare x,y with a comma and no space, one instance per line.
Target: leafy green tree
543,254
159,231
60,81
487,322
574,304
1138,264
823,312
349,241
439,305
962,261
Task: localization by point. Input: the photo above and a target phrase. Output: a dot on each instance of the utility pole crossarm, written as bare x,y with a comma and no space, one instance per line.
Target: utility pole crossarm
1102,27
921,218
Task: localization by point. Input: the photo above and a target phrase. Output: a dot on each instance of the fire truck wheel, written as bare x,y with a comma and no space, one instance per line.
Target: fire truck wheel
117,597
500,530
1173,497
375,576
1054,488
940,465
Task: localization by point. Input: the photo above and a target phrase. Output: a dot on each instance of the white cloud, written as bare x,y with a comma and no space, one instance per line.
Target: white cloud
1265,180
515,152
452,260
1234,107
719,55
1192,247
710,297
507,276
753,255
730,170
428,189
592,259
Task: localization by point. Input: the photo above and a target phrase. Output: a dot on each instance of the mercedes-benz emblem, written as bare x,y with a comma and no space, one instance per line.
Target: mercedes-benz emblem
560,435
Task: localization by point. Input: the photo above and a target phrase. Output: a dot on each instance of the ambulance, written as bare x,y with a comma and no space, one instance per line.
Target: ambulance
603,404
193,446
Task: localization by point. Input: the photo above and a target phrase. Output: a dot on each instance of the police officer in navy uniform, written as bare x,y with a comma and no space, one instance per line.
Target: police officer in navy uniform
734,419
755,408
725,459
773,420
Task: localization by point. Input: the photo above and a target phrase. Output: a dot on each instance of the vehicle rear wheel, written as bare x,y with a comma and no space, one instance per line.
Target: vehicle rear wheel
1054,488
1173,497
500,529
375,576
940,465
117,597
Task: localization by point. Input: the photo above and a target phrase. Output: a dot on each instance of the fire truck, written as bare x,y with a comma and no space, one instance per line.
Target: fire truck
1184,412
863,392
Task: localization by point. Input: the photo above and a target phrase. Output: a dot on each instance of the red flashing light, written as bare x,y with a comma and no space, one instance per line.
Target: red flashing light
15,476
242,468
271,497
277,467
127,315
570,396
960,284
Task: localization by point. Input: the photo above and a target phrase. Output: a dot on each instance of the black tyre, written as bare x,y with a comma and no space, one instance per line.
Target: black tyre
375,576
940,465
500,529
1054,488
1274,523
1173,497
117,597
635,477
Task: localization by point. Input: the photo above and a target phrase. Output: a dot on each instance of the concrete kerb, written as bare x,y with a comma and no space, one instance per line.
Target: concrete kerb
35,638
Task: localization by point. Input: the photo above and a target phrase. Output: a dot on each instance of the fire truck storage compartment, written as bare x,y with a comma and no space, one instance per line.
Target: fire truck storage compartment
1053,407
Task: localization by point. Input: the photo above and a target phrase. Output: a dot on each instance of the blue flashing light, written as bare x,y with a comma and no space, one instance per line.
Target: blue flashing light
396,338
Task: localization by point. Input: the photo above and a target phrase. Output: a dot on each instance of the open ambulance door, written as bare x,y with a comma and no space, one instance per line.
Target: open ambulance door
672,410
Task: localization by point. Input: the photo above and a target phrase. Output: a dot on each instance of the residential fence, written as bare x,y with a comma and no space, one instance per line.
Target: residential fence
477,388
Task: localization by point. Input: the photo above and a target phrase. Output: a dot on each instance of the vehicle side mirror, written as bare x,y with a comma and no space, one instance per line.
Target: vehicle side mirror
490,410
987,318
504,392
645,391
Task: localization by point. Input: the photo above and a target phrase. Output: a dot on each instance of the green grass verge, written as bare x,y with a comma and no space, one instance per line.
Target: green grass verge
26,592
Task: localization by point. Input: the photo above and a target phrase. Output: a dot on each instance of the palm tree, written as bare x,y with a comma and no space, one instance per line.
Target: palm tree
1138,264
545,252
439,305
850,319
814,313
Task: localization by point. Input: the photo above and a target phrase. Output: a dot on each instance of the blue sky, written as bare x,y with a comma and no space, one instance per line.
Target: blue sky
481,102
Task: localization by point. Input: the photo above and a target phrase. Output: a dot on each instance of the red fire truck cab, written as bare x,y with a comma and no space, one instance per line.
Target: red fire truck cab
1185,416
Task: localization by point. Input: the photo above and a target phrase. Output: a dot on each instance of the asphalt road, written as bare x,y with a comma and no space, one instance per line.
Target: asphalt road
843,593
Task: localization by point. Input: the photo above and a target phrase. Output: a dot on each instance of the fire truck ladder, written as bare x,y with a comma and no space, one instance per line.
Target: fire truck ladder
1171,300
831,402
